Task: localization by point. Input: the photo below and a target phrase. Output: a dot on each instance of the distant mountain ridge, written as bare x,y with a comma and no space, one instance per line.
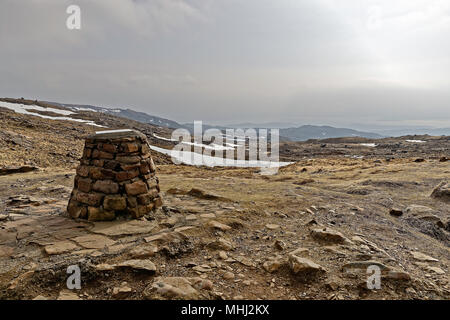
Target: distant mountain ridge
414,131
307,132
301,133
124,113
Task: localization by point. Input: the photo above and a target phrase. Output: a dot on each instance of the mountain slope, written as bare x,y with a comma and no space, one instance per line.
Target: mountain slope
125,113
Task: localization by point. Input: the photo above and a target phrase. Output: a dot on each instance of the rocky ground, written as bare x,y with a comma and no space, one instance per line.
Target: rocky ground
309,232
34,141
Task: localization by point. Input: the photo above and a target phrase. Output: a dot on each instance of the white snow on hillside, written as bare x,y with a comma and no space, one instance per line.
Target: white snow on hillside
196,159
165,139
24,109
372,145
211,146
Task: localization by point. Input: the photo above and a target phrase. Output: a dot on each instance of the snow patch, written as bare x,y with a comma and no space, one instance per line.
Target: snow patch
416,141
209,147
165,139
113,131
372,145
196,159
23,109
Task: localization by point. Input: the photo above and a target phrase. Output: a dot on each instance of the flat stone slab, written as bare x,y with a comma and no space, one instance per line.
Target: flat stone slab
116,134
145,265
94,241
123,228
60,247
18,169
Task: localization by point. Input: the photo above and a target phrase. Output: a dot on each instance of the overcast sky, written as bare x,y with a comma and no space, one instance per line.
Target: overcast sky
347,63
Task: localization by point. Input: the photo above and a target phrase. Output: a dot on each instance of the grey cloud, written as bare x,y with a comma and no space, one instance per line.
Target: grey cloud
235,60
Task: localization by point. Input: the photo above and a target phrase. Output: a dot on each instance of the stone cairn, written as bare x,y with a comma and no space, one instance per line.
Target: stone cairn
116,176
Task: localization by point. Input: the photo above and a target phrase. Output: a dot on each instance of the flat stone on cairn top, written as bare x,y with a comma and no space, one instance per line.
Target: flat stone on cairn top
116,176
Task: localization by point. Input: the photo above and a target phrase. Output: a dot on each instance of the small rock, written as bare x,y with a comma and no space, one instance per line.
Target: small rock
221,244
176,191
423,257
223,255
21,279
191,217
300,265
280,245
228,275
202,268
442,191
68,295
201,284
300,252
328,235
410,290
398,275
311,222
396,212
272,265
217,225
171,288
245,261
169,222
104,267
197,193
121,292
144,251
417,210
144,265
436,270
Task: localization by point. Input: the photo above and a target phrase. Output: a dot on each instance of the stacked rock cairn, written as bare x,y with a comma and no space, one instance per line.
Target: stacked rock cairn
116,177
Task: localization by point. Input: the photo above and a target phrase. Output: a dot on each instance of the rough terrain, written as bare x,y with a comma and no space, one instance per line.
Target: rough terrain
308,232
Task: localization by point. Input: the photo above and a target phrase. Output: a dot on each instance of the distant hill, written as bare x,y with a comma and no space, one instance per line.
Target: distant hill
266,125
301,133
414,131
306,132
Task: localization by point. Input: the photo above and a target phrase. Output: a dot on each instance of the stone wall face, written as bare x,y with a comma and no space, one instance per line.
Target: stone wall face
116,176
